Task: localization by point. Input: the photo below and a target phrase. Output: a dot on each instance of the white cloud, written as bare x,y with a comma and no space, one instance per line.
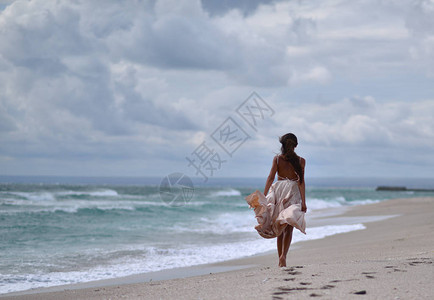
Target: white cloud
316,74
362,121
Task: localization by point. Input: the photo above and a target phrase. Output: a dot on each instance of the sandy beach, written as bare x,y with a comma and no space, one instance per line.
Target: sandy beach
391,259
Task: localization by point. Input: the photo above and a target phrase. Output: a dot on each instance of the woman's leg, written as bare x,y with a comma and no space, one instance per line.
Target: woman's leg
287,237
279,246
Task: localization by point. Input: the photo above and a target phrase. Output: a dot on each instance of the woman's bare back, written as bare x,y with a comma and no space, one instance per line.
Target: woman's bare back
285,170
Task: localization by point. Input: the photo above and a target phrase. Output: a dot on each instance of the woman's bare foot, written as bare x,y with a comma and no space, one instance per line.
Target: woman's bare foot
282,261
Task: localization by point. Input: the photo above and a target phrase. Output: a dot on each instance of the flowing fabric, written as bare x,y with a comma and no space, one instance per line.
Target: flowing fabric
280,208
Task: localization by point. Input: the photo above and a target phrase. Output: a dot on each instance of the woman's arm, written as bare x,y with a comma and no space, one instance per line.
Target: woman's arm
303,198
271,176
303,187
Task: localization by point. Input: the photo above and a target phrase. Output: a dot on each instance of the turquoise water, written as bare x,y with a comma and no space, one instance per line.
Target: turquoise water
58,233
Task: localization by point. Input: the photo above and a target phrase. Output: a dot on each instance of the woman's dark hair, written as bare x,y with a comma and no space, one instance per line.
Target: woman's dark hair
289,142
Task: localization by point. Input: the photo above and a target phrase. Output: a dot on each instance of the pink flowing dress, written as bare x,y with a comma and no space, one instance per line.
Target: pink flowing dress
280,208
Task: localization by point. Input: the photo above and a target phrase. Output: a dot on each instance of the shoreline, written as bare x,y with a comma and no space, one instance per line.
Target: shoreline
256,276
328,217
318,218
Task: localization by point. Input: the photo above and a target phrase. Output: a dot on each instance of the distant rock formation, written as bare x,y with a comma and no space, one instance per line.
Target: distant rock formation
401,189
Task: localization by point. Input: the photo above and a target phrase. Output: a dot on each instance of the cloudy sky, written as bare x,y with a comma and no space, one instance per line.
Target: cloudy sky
133,88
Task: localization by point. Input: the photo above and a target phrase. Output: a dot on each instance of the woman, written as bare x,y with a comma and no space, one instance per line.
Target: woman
285,205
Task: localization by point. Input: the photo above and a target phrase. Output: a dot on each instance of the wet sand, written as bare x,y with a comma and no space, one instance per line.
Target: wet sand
391,259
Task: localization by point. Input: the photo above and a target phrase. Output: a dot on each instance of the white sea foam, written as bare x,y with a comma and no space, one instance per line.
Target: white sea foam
221,224
104,193
317,204
52,196
73,206
35,196
59,201
363,202
154,259
226,193
94,193
314,204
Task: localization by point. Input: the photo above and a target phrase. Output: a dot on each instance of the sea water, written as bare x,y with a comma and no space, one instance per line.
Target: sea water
62,231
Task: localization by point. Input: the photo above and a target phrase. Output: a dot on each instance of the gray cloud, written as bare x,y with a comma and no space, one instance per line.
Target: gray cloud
221,7
107,81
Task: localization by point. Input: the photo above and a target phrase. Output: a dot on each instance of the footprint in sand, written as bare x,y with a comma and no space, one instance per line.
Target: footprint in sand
285,290
315,295
288,290
418,261
337,280
398,270
389,267
327,287
291,271
289,279
294,273
369,274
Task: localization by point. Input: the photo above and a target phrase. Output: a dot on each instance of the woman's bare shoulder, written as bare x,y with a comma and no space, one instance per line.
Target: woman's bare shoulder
302,161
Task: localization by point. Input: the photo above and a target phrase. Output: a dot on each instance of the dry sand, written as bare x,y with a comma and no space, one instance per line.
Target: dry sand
390,259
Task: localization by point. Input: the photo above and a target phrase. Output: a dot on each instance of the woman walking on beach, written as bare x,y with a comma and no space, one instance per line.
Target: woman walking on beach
284,205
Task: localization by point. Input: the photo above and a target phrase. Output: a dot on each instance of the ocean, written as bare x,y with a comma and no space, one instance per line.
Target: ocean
60,230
